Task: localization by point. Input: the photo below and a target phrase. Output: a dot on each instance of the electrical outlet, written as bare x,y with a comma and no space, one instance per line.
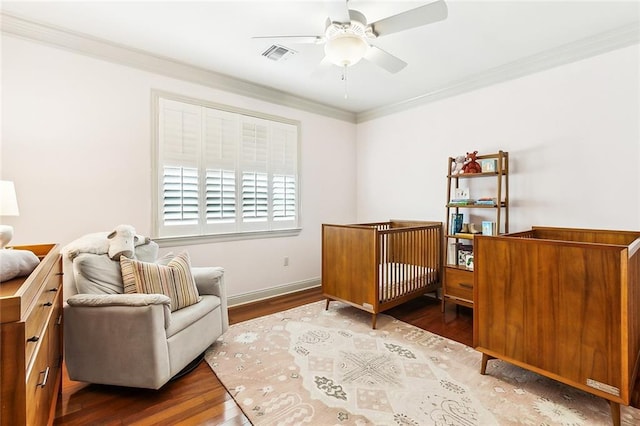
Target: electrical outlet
286,261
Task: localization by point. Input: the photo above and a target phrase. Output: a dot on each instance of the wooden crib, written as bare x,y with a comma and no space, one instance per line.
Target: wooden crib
376,266
562,302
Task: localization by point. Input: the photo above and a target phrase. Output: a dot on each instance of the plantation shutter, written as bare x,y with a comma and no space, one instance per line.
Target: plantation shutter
254,145
223,172
179,150
221,135
283,162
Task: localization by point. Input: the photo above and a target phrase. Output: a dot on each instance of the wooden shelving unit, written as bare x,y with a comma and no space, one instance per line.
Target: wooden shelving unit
494,184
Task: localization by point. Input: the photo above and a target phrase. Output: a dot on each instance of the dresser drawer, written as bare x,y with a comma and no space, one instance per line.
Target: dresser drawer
38,383
459,284
36,322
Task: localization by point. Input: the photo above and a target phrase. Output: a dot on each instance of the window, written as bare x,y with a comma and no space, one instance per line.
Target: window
223,171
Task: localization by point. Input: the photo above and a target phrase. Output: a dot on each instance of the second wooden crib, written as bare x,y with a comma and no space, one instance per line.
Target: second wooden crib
377,266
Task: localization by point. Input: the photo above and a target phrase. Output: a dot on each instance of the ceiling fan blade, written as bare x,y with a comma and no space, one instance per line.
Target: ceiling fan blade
322,69
423,15
309,39
338,11
384,59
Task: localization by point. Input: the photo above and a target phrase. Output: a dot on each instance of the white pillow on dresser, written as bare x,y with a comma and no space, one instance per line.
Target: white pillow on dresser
16,263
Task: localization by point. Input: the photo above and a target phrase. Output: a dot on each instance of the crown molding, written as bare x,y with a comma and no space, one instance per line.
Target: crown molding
124,55
80,43
624,36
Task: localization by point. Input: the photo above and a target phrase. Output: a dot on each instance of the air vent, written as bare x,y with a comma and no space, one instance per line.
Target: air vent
278,53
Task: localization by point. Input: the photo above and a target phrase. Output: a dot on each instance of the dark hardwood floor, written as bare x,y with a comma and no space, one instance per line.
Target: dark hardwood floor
198,398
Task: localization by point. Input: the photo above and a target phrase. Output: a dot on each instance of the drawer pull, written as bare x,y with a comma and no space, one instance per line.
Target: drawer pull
59,273
33,339
54,289
59,320
465,285
46,377
48,304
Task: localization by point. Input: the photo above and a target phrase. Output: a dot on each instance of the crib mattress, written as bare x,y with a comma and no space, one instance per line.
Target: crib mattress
398,278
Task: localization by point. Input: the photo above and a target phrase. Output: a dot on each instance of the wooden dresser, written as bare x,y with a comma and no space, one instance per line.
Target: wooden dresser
31,341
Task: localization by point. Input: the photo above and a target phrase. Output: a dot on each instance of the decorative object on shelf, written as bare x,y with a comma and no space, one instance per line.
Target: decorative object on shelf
488,166
488,227
471,164
458,164
8,207
461,193
473,229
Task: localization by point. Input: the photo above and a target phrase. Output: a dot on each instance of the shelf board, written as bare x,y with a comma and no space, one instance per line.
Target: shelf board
475,175
460,267
476,206
462,237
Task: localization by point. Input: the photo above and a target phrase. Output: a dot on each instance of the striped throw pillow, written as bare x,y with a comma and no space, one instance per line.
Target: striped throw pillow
173,280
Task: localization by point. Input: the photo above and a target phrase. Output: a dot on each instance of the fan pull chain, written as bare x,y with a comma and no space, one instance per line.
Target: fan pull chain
344,78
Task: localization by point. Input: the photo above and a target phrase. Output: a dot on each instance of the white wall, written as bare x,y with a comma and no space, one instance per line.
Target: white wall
76,140
572,134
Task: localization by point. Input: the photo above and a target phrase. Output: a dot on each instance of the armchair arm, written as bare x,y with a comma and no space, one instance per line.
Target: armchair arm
106,339
133,300
118,300
210,280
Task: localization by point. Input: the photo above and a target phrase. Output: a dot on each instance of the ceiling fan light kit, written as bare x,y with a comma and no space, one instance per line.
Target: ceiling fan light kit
345,49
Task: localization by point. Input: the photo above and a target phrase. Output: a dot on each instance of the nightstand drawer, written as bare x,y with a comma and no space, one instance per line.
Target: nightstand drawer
459,284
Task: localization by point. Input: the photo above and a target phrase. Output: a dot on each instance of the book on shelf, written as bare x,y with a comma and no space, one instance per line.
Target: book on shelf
463,256
462,202
451,254
487,201
456,223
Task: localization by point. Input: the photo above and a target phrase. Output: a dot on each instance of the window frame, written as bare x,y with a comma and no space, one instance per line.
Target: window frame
157,178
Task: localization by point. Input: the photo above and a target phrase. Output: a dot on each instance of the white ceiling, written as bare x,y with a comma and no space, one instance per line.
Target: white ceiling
478,37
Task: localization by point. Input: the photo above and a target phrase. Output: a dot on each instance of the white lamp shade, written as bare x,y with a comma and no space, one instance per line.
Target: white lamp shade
345,49
8,200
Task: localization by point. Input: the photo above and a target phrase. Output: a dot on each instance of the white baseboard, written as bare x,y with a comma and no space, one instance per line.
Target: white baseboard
256,296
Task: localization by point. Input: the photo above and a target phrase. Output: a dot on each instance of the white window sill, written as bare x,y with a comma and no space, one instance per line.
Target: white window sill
219,238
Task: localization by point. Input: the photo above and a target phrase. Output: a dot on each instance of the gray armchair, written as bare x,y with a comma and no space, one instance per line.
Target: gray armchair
134,339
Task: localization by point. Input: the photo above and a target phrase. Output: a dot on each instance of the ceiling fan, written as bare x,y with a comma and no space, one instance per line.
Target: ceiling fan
348,37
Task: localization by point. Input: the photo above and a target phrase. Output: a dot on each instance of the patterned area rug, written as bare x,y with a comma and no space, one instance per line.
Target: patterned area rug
316,367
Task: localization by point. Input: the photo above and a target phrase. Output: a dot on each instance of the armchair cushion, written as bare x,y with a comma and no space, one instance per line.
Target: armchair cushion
174,280
98,274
